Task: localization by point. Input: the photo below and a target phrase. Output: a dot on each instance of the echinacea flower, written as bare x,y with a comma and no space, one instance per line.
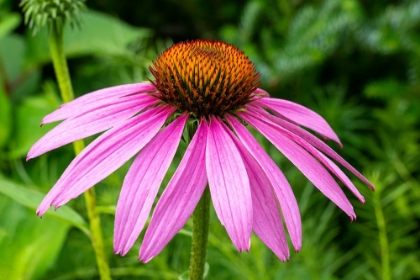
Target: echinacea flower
213,86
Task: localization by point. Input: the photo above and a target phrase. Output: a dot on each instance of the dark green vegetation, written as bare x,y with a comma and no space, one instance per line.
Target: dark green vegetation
357,63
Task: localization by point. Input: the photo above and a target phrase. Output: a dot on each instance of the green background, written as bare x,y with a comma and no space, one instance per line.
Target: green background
357,63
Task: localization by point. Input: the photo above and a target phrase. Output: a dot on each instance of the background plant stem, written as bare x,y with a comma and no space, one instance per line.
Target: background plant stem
201,220
66,90
383,239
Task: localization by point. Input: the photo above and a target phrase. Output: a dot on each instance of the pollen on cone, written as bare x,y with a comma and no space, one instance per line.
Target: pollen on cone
205,77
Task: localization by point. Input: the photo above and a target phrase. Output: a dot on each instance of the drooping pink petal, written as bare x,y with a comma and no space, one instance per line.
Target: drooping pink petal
317,143
264,116
310,142
281,188
180,197
340,174
261,93
95,100
141,184
90,123
104,155
307,164
111,151
299,114
267,221
229,185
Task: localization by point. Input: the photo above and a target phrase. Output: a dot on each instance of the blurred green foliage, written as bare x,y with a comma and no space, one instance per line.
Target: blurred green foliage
357,63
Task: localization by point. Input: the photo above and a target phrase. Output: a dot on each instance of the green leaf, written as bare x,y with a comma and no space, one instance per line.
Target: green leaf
29,115
32,198
5,118
385,89
22,81
12,49
99,34
8,23
28,246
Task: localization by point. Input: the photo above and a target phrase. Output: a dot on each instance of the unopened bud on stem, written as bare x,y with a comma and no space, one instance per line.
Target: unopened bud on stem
53,13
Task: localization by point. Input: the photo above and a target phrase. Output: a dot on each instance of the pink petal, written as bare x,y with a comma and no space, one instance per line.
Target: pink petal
180,197
340,174
97,99
261,93
229,185
299,114
267,222
311,140
308,165
281,188
104,155
90,123
141,184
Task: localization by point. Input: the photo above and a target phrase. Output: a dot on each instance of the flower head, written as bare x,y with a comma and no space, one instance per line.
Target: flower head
204,78
215,85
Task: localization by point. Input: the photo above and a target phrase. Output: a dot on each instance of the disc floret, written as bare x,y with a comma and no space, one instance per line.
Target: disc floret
205,77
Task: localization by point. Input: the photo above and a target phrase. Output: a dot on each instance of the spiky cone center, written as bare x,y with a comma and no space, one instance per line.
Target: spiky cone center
205,78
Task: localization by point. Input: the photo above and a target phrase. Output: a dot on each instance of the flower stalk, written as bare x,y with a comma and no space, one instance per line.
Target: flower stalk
66,90
201,221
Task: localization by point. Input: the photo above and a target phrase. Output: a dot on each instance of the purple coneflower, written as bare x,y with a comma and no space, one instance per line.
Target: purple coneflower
213,87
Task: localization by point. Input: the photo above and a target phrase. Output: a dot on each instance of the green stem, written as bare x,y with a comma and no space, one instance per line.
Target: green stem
383,239
60,64
66,90
201,220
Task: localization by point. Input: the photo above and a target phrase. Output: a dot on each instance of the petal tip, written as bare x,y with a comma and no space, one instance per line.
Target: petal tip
144,259
284,258
41,210
124,251
33,153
